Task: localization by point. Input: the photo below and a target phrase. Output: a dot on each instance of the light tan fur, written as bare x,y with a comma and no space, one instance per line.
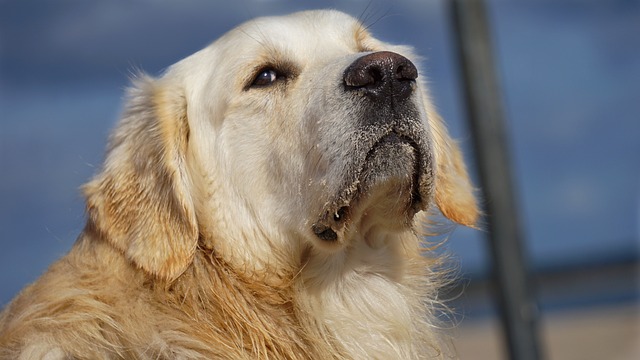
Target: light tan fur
198,243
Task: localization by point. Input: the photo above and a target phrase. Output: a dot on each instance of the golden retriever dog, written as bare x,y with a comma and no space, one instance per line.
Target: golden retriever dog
265,198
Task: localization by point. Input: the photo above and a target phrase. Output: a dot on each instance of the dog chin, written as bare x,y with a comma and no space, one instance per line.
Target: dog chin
389,188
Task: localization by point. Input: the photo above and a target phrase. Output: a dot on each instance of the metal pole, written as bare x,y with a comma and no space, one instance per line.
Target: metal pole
517,308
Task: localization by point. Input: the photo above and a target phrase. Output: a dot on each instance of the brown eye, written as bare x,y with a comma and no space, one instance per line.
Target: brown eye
265,78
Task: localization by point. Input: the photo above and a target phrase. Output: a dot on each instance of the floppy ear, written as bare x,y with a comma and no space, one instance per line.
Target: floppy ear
454,192
140,202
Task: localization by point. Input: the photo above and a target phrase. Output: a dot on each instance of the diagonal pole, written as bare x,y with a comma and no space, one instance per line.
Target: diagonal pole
518,311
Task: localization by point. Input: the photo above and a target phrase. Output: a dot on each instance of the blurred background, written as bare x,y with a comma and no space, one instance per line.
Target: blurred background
570,76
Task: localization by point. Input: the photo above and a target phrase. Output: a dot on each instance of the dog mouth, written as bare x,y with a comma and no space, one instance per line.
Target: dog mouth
395,175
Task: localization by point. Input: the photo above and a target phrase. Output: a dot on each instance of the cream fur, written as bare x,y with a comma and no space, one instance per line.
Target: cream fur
198,243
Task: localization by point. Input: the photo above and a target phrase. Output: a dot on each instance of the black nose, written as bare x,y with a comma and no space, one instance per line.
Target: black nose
382,74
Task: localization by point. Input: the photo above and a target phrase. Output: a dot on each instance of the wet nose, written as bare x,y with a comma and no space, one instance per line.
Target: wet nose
381,75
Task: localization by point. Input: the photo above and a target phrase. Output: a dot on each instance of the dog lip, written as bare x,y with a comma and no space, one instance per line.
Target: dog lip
392,138
324,232
326,228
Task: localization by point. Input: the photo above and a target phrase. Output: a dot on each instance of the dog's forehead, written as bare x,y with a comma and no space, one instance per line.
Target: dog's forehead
313,33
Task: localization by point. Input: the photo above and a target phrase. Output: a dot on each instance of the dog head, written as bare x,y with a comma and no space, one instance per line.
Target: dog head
285,133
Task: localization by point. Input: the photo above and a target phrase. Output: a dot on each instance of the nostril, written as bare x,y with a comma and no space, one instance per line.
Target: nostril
403,74
363,76
406,71
376,74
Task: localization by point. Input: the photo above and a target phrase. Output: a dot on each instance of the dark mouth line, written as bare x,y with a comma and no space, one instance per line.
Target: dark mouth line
396,138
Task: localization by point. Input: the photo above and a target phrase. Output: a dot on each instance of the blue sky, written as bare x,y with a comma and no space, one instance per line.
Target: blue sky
570,72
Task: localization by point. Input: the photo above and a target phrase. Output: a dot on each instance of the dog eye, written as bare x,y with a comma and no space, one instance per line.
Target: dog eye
265,77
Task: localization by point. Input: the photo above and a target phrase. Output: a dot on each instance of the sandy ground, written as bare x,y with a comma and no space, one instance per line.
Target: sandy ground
611,333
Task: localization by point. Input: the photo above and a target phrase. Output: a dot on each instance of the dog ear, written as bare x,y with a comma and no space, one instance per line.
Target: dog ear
140,201
454,193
